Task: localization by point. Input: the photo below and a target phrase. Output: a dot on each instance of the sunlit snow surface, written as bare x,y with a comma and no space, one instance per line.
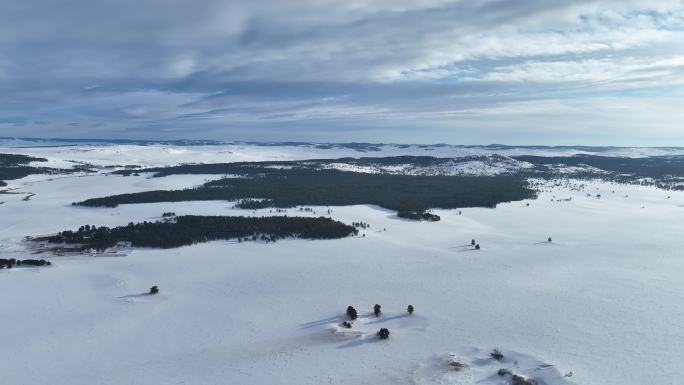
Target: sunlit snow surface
604,300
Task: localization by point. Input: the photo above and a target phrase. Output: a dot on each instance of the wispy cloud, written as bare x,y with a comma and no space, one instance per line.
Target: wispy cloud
421,70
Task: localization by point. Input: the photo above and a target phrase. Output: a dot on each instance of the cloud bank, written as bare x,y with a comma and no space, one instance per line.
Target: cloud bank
529,71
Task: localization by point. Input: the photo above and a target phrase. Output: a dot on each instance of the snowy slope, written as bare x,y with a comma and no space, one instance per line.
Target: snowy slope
485,165
603,300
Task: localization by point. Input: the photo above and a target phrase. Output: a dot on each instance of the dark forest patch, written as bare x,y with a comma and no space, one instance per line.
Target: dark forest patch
191,229
314,187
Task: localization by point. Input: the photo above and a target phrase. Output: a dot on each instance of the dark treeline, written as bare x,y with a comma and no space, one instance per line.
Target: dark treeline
298,187
190,229
652,167
124,166
8,160
418,216
12,262
665,172
13,166
235,168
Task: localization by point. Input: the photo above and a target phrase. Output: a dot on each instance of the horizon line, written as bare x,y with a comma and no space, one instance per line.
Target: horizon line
297,143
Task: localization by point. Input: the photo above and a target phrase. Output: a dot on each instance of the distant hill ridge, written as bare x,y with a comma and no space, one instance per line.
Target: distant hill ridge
359,146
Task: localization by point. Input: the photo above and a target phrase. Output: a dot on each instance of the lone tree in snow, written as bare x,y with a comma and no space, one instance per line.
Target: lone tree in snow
477,247
351,312
376,310
496,354
409,309
154,290
472,243
347,324
550,239
383,333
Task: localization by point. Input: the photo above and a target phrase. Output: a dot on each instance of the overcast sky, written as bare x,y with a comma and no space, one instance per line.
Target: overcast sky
412,71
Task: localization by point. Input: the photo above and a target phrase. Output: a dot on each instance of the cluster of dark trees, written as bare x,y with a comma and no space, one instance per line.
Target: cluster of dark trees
10,263
351,311
124,166
286,188
191,229
361,225
13,166
383,333
248,169
168,214
517,379
9,160
419,216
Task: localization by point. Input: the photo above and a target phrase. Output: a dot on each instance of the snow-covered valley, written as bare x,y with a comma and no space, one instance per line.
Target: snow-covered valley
602,301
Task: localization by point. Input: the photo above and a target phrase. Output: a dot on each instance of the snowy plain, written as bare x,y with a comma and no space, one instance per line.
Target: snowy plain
604,300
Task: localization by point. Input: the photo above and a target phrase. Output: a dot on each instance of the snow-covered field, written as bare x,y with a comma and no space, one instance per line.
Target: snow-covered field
603,301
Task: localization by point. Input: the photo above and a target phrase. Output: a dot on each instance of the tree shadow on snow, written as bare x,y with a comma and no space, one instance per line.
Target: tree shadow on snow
466,250
364,340
323,322
135,295
387,319
461,246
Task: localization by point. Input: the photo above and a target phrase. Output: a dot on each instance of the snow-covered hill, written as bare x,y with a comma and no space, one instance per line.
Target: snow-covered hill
485,165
